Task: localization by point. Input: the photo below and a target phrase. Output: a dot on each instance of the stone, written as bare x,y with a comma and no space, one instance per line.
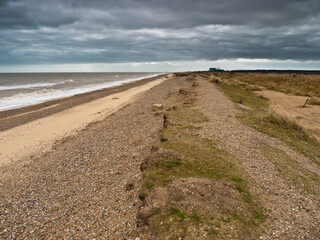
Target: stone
157,107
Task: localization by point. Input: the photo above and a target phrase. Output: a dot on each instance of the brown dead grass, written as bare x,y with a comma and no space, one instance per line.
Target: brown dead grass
253,88
314,101
296,84
257,115
287,123
184,74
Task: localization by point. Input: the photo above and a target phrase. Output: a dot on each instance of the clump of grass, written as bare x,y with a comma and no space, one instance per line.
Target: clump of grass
253,88
183,74
178,213
214,79
195,217
287,123
314,101
236,82
237,179
162,171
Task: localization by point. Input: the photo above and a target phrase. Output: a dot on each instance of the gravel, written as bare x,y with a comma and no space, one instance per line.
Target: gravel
86,187
287,216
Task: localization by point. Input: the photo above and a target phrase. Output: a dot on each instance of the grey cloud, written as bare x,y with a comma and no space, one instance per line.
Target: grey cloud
165,13
53,31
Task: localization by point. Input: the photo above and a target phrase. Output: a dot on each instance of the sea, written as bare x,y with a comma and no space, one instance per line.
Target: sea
22,89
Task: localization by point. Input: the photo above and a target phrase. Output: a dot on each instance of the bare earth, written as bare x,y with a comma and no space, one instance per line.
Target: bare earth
86,185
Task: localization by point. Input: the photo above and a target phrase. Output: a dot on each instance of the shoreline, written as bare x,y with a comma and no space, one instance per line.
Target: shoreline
35,129
18,116
190,160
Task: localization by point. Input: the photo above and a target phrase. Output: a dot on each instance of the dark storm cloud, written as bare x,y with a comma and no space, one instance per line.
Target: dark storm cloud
165,13
75,31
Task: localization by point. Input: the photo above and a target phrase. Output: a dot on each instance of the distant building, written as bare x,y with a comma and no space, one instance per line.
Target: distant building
216,70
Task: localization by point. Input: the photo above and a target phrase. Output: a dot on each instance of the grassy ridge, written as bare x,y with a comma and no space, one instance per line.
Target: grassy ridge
228,211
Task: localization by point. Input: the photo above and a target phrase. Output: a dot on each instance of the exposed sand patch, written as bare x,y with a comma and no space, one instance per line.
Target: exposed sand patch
291,106
40,135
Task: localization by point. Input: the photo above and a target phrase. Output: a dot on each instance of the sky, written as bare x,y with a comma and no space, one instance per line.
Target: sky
158,35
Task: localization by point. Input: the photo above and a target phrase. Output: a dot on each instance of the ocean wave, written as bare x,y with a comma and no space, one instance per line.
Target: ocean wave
44,95
34,85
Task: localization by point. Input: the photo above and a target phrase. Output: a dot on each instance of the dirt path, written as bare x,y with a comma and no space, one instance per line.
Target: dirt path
288,218
86,186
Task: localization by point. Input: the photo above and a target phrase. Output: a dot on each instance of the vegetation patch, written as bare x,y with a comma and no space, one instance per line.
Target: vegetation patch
253,88
287,123
297,84
257,115
176,212
314,101
184,74
202,191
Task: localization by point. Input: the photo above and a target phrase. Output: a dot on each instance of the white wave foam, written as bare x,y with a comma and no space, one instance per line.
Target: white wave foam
26,99
34,85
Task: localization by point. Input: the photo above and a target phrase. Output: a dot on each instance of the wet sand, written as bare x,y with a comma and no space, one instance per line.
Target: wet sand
16,117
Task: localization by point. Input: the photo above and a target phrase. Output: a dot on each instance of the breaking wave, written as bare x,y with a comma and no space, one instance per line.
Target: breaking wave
34,85
43,95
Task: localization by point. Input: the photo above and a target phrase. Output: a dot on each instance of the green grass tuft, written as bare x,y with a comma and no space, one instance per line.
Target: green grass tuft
178,213
195,217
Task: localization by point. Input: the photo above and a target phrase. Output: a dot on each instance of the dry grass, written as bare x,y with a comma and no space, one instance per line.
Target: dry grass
191,78
183,74
258,116
314,101
297,84
286,122
253,88
214,79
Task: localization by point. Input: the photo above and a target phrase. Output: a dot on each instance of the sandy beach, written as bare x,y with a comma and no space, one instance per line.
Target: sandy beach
79,187
31,133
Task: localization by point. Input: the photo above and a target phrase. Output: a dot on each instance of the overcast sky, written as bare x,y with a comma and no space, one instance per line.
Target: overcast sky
158,35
